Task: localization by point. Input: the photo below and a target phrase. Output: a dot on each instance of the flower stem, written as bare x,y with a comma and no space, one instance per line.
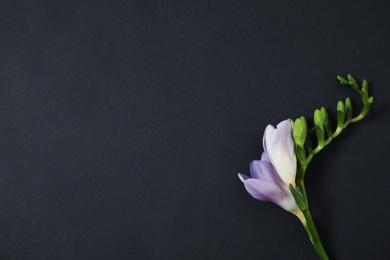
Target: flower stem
313,235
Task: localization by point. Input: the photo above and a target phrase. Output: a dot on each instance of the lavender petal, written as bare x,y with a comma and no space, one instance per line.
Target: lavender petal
263,190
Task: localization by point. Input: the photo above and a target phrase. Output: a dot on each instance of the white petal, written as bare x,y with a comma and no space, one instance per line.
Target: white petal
279,145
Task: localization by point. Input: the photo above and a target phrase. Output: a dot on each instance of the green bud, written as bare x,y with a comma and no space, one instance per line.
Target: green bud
367,106
364,83
300,131
342,80
319,127
348,109
318,119
327,126
340,114
299,198
364,94
352,82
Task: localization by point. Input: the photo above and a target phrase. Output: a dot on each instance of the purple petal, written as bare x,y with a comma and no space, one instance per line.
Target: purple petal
264,157
243,177
266,191
263,190
264,171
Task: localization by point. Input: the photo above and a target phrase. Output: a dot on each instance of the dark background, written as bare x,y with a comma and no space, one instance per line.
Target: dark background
123,125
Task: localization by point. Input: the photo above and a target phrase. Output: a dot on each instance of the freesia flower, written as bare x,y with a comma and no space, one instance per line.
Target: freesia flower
271,176
287,148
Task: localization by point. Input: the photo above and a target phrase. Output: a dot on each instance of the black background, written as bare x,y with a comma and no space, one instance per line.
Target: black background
123,125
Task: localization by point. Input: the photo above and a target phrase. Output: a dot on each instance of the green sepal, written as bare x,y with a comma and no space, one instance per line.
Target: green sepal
352,82
327,125
319,127
308,145
340,114
298,197
301,154
348,109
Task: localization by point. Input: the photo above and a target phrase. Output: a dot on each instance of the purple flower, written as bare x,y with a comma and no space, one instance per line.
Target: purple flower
271,176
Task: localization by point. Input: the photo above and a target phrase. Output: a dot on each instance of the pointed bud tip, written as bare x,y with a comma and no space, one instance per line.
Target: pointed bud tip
318,118
365,82
340,106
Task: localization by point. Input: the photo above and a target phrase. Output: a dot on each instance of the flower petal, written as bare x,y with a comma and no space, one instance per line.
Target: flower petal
279,146
267,191
243,177
267,136
263,190
264,157
264,170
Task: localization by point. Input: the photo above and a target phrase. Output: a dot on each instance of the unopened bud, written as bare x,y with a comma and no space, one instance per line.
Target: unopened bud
367,106
319,127
327,125
340,114
300,131
364,94
348,109
342,80
364,83
352,82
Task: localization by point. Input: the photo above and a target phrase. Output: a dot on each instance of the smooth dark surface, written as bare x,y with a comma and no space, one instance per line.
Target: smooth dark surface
123,125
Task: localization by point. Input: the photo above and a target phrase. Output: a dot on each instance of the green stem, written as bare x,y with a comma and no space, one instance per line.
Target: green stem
301,181
359,117
313,234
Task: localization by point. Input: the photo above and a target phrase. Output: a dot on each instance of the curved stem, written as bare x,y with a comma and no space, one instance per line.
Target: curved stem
313,234
359,117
